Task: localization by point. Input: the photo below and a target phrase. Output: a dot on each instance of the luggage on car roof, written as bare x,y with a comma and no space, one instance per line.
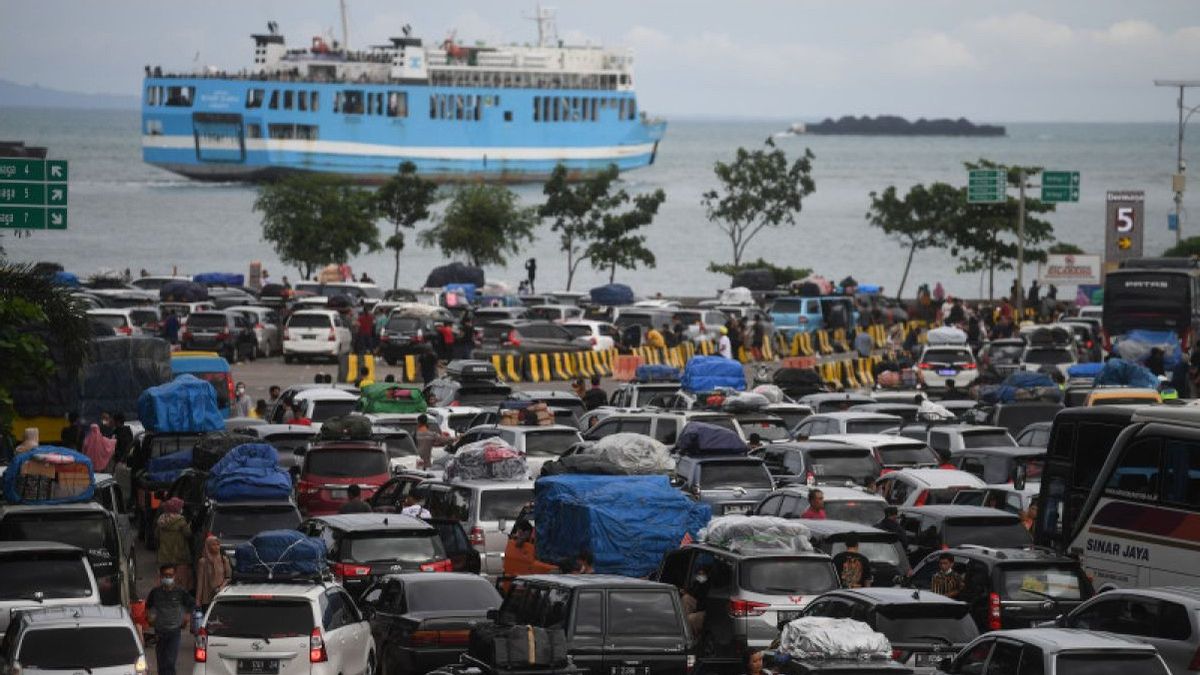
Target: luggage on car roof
279,555
346,428
700,438
656,373
757,533
490,458
49,474
249,472
465,370
213,446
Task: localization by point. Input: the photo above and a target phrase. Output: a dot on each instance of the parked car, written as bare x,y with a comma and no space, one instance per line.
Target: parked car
663,426
921,487
849,422
892,452
608,620
939,364
818,462
1055,651
267,327
315,629
423,621
889,561
841,503
1003,497
330,468
43,574
923,628
1166,617
229,334
602,336
1001,465
795,314
319,404
641,394
1002,356
315,333
539,444
1038,358
120,320
907,411
486,509
236,522
554,313
942,526
834,402
531,337
408,334
97,639
363,547
1036,435
731,485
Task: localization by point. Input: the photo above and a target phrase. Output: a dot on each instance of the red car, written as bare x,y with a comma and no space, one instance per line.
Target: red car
329,469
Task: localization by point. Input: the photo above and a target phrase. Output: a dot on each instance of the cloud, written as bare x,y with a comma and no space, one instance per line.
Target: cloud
644,37
925,54
1133,32
1022,28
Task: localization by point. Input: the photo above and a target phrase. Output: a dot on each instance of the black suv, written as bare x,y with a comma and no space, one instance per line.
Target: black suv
1011,587
362,547
236,522
889,561
230,334
613,624
824,462
941,526
923,628
406,334
745,596
530,337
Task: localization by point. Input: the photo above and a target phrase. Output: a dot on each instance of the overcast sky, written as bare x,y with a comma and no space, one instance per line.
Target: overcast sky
1077,60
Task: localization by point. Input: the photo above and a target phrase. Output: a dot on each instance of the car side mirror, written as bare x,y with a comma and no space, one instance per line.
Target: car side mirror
1019,479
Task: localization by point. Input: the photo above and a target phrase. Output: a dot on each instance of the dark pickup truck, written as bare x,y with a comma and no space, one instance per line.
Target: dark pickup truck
613,624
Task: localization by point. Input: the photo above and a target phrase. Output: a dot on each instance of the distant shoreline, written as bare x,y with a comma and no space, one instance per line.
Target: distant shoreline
890,125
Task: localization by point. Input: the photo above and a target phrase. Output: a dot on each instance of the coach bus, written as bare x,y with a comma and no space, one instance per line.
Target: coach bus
1158,294
1140,526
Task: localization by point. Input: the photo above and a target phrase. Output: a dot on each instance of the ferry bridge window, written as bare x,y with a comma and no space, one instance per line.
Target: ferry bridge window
274,104
537,108
302,101
180,96
253,131
352,102
397,104
254,98
151,96
1136,472
632,108
289,99
314,101
508,116
1181,473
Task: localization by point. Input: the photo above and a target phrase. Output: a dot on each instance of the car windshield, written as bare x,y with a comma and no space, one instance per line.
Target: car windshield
246,521
578,331
926,622
328,409
1109,663
197,320
543,313
1005,354
849,463
647,394
90,647
503,504
403,324
110,320
549,443
787,576
394,546
767,429
870,426
905,455
144,316
725,475
1048,356
346,463
88,531
398,444
993,532
53,575
791,417
987,439
1058,581
259,618
876,551
467,594
867,512
309,321
955,357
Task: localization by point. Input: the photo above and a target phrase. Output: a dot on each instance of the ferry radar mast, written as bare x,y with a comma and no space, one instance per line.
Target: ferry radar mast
547,28
345,27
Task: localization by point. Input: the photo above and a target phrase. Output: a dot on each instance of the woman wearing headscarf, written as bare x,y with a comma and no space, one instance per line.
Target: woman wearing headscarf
99,448
213,571
174,541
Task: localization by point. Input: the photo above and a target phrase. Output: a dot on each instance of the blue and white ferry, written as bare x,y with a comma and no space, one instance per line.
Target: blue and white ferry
503,113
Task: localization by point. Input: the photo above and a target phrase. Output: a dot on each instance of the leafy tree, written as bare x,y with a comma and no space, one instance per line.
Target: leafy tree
1064,248
404,200
759,189
1184,249
614,243
986,236
315,220
483,223
576,211
783,275
919,220
35,313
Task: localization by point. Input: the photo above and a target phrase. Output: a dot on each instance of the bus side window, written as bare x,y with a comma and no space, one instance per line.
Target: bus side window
1136,473
1181,473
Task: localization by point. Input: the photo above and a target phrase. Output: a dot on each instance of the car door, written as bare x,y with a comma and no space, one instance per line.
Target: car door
387,604
1164,624
644,633
973,660
347,636
585,631
604,428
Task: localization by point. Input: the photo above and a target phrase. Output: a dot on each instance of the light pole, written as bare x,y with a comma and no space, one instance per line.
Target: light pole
1177,181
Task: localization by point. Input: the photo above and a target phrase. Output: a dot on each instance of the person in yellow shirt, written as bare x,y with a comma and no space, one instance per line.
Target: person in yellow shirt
655,339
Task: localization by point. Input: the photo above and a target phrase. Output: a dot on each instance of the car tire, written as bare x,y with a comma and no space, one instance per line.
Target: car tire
370,664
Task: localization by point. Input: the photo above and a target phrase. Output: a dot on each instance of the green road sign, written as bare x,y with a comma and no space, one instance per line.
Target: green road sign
23,193
56,170
56,194
18,168
1060,186
987,186
56,219
25,217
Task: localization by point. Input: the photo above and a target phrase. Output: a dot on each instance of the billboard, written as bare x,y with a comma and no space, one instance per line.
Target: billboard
1070,270
1124,226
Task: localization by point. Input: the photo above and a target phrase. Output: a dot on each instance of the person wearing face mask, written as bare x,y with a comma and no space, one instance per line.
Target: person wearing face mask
242,405
169,608
693,601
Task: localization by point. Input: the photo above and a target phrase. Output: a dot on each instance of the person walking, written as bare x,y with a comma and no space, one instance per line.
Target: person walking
170,328
365,337
169,608
427,439
242,404
531,273
724,344
758,338
174,542
595,397
853,568
99,449
213,571
355,504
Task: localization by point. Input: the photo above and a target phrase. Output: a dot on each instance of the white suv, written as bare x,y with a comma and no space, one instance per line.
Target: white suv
315,332
940,364
297,628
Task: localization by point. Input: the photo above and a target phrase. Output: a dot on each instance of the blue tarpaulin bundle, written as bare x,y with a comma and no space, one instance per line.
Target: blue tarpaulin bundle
656,373
708,373
612,294
1085,369
1135,346
66,279
1021,386
628,522
185,404
183,291
701,438
219,279
166,468
468,290
279,555
248,472
22,487
1120,372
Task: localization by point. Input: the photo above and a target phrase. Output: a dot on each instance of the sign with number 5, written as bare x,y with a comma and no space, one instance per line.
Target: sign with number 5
1125,219
1123,230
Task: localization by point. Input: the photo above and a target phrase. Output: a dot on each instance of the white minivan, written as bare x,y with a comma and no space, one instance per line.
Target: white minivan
315,333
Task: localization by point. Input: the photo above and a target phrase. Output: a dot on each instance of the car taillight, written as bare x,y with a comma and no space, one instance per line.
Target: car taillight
200,654
439,566
476,536
994,611
802,319
925,366
125,330
691,662
594,341
332,335
439,638
967,366
420,336
316,647
739,607
350,570
141,667
306,488
1194,664
258,326
1089,344
229,386
385,338
922,498
286,334
513,338
899,655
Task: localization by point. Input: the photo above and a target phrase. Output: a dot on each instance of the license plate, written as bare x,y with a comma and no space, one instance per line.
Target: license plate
947,371
339,493
258,666
629,670
736,508
926,659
